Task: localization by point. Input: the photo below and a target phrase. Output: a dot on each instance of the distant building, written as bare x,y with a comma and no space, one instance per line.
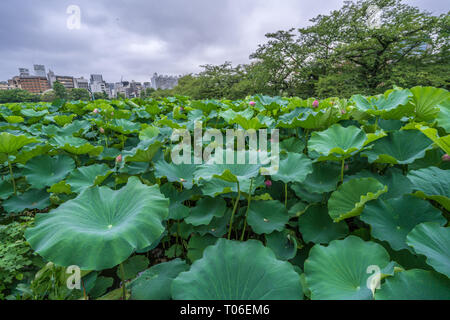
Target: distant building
163,81
4,85
66,81
81,83
24,72
39,70
33,84
96,78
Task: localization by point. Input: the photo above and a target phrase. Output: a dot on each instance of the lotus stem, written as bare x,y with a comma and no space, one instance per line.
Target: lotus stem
285,194
12,177
248,207
234,210
342,171
305,151
124,290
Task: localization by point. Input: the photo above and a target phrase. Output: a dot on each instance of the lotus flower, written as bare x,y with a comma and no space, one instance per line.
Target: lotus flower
112,113
252,103
181,109
119,158
95,111
346,167
268,183
343,111
315,103
102,130
446,157
182,180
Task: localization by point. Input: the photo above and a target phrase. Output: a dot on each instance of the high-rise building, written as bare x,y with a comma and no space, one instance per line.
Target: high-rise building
39,70
96,78
81,83
163,81
24,72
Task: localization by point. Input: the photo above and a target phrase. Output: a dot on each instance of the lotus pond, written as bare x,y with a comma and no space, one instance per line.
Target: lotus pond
93,207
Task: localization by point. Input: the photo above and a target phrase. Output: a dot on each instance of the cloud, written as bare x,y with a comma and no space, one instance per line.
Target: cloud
135,38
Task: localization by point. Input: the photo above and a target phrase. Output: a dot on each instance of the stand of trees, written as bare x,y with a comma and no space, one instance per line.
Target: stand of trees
338,55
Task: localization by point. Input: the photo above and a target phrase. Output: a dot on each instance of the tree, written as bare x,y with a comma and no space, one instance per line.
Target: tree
17,95
100,95
79,94
48,96
60,90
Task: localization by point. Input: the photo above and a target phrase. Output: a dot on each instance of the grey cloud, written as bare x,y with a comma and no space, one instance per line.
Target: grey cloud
135,38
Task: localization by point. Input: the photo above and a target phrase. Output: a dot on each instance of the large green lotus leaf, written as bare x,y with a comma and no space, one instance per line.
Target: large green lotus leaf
283,244
431,133
132,266
6,189
255,123
397,183
267,216
31,199
63,119
85,177
294,168
308,119
292,144
155,283
215,187
217,227
77,127
197,244
148,133
75,145
399,147
232,270
443,117
45,171
101,227
432,183
324,177
432,241
10,143
177,210
349,199
229,115
391,105
338,142
227,172
14,119
124,126
182,173
205,210
316,226
415,284
33,113
426,101
30,151
339,271
143,152
391,220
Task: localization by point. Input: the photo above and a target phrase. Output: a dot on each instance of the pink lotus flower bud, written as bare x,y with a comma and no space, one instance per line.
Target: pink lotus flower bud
112,113
446,157
182,180
346,167
102,130
268,183
181,109
343,111
252,103
315,103
119,158
95,111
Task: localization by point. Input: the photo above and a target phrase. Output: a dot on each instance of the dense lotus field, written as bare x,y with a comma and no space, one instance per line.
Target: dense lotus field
358,209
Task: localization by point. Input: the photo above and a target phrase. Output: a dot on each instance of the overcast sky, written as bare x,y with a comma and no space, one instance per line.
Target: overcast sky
135,38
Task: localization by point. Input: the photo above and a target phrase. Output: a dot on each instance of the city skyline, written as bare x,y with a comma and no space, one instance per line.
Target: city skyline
135,39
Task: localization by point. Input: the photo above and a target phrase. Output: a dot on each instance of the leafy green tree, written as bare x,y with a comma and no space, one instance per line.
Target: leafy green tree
100,95
48,96
17,95
79,94
60,90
